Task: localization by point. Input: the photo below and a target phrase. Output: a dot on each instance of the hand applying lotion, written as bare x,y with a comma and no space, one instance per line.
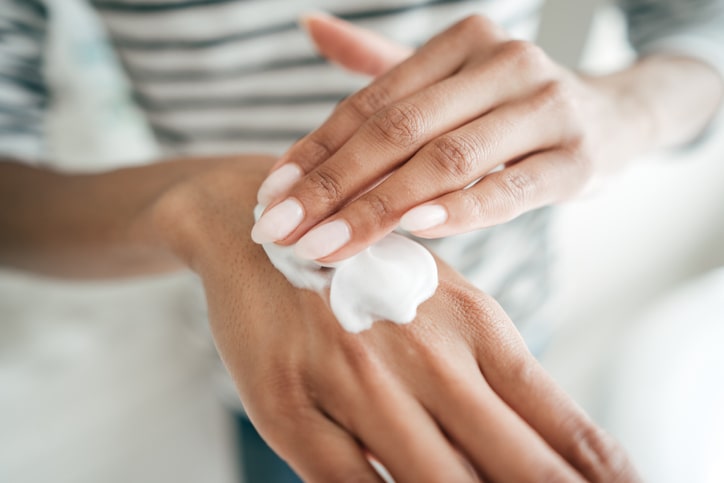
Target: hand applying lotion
386,281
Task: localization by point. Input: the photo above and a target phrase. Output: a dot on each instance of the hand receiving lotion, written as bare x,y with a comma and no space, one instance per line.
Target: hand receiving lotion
387,281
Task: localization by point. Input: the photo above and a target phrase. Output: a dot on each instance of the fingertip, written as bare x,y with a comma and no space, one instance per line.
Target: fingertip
314,24
310,15
306,18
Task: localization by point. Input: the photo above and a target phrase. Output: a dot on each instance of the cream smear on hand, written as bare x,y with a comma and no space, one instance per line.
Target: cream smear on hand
386,281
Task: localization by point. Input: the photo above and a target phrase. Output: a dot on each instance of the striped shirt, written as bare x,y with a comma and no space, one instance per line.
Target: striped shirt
238,76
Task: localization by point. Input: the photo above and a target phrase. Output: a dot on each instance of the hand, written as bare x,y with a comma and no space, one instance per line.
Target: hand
451,397
469,107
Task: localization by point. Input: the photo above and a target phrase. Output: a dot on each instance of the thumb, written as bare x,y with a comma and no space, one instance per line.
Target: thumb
354,48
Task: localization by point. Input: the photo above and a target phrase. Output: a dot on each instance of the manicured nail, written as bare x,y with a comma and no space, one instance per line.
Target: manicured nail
305,17
323,240
423,218
278,183
278,222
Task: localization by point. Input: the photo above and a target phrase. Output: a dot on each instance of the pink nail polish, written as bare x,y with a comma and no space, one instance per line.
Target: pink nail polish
323,240
423,218
278,183
278,222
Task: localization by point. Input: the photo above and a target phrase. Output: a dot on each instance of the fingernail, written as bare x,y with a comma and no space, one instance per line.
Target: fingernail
323,240
423,218
278,183
306,17
278,222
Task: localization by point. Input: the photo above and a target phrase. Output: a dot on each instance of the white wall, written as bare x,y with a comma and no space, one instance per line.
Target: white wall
623,251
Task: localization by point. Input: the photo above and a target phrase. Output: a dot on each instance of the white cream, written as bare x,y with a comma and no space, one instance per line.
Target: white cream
387,281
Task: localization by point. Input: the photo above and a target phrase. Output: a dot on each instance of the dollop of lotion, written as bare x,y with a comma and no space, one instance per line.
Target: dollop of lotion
387,281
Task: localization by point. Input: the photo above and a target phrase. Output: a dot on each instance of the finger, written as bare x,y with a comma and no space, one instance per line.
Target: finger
562,423
496,440
522,383
530,391
395,429
500,445
321,451
354,48
447,164
535,181
437,59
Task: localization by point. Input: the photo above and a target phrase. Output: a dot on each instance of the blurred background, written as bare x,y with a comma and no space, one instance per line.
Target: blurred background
108,381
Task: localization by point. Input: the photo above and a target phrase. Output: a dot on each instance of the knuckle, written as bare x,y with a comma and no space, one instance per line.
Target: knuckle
517,187
523,370
475,23
455,156
598,454
378,207
325,185
476,26
556,91
483,321
282,402
469,304
402,124
317,148
526,56
368,101
476,207
285,379
509,192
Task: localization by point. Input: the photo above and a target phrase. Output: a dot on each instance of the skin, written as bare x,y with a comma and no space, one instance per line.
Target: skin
436,120
454,396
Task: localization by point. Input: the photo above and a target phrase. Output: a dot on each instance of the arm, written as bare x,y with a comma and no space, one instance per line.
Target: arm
670,114
81,226
471,105
321,397
692,33
413,396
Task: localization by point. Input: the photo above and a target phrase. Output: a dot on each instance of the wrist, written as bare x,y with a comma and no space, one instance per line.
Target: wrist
206,216
666,100
627,123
